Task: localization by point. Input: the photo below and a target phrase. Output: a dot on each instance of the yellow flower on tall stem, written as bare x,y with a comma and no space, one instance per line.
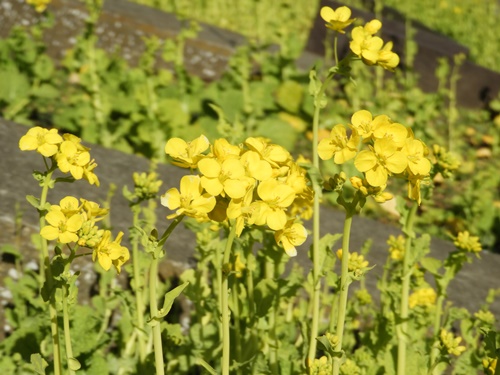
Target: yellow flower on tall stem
61,227
277,197
293,234
228,177
339,146
72,157
44,141
187,154
338,19
190,200
381,160
110,253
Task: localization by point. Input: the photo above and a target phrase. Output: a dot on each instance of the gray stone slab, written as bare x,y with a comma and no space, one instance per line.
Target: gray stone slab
122,26
468,290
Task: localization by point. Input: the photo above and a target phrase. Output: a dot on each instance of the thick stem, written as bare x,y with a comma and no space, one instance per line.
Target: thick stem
138,289
402,326
226,349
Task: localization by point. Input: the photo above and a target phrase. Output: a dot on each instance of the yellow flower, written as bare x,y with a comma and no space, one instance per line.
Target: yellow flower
256,167
422,297
379,162
490,365
392,130
110,253
386,58
228,177
72,156
273,154
63,228
465,241
337,19
40,5
190,200
223,150
364,123
415,151
338,145
293,234
187,154
451,343
365,46
277,197
372,27
44,141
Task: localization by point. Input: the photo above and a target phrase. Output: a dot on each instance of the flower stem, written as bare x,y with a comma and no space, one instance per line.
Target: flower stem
153,307
47,281
138,286
402,326
153,303
344,284
316,256
225,303
67,334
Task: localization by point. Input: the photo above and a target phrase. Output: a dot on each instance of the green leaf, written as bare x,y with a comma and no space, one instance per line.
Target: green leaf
44,67
14,85
265,293
279,131
290,95
431,264
169,299
11,250
45,91
39,363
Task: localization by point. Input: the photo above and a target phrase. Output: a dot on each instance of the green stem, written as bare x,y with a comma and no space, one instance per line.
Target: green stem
138,289
67,334
316,255
153,303
153,307
437,325
273,341
46,278
225,303
345,280
402,326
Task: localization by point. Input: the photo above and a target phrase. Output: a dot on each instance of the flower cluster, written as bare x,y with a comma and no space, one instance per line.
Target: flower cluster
66,151
254,183
73,221
464,241
370,48
451,343
40,5
422,297
321,366
396,247
389,149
